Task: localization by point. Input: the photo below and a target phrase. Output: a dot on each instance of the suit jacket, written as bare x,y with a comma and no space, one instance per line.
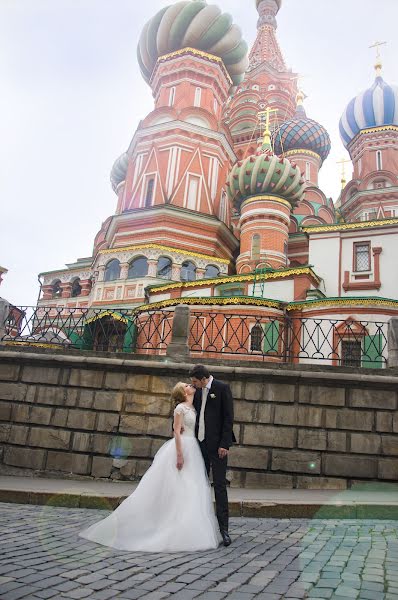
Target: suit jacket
219,416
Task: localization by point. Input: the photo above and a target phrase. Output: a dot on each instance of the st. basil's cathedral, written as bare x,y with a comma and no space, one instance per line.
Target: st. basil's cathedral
218,199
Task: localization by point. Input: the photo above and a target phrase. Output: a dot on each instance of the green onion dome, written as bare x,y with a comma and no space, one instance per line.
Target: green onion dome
193,24
119,171
265,174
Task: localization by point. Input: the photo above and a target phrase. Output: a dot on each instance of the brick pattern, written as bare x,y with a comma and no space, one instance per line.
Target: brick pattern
109,421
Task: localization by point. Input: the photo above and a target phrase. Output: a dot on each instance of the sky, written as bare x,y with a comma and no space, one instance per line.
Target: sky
72,96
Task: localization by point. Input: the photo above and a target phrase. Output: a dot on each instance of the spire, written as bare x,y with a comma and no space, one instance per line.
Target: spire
267,146
266,48
300,110
378,63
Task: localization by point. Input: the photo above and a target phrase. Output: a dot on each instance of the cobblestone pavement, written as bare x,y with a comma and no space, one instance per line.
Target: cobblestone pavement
41,556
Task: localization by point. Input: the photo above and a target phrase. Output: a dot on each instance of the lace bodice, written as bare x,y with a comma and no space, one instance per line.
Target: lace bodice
189,418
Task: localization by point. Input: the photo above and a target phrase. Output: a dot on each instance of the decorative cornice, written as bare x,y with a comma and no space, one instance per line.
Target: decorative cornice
382,302
214,301
165,249
236,279
258,198
303,151
349,226
195,52
381,128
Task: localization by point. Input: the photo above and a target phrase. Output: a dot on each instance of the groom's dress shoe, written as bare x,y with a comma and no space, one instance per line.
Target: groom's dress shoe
225,538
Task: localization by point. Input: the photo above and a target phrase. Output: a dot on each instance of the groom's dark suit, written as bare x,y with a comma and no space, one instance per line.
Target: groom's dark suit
218,418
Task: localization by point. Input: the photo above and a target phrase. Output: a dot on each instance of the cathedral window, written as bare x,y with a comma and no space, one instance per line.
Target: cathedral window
57,291
172,96
359,166
215,106
351,353
188,271
308,171
164,268
212,272
198,96
192,195
361,256
379,160
256,336
138,267
112,270
149,192
256,247
76,288
223,207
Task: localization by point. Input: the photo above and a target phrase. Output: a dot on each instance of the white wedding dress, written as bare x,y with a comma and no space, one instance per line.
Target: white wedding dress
171,510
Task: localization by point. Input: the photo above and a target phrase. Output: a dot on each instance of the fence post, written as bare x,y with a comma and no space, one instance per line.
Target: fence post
178,349
4,312
392,335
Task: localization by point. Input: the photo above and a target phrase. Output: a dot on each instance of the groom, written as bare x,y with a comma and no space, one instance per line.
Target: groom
215,416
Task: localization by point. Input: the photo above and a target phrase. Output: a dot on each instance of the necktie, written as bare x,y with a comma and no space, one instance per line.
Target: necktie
201,432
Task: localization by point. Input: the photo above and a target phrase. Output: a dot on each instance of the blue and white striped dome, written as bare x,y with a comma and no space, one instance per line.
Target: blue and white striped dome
375,107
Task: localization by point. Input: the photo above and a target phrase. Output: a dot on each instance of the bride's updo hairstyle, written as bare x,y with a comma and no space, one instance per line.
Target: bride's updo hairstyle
178,393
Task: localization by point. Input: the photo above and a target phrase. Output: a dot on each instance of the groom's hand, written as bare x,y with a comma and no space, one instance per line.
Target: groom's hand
222,453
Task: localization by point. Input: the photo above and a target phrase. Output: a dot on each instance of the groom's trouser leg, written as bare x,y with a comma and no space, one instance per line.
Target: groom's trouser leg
219,468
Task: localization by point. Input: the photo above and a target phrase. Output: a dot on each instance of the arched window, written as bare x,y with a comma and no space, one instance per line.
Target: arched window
172,96
256,336
223,207
211,271
379,160
149,192
57,291
256,247
138,267
188,271
112,270
308,171
198,96
164,268
76,288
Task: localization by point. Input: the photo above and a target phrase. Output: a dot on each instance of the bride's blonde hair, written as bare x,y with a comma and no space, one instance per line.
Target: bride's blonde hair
178,393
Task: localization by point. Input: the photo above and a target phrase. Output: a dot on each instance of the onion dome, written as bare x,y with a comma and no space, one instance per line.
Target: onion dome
376,107
302,133
265,174
119,171
193,24
278,2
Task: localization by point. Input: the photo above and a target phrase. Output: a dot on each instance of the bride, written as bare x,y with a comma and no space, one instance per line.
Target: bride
171,510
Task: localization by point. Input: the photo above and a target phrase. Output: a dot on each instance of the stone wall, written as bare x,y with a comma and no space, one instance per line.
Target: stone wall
296,426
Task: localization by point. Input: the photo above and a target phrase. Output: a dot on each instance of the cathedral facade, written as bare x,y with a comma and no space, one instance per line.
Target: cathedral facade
218,198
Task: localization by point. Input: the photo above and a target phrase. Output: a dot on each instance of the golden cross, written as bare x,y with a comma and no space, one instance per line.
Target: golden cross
343,163
377,46
267,133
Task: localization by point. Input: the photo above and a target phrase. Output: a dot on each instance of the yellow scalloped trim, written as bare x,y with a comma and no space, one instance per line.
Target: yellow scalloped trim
210,301
343,302
348,226
303,151
380,128
166,249
33,344
273,198
237,278
107,313
206,55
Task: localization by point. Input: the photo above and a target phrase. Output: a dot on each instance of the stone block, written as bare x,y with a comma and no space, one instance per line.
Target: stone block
312,439
365,443
112,401
355,419
86,378
9,372
309,416
102,443
322,395
384,422
39,374
15,392
253,390
71,396
40,415
18,435
266,435
5,411
51,395
85,398
344,465
115,380
285,415
296,462
330,418
28,458
279,392
155,446
337,441
108,422
244,412
142,382
320,483
60,417
102,466
68,462
49,438
142,467
248,458
82,442
388,469
395,423
20,413
81,419
160,427
144,403
371,398
5,429
128,471
268,481
390,445
236,389
134,424
263,412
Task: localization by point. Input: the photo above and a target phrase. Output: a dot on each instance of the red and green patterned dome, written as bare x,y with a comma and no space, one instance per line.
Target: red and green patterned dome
265,174
302,133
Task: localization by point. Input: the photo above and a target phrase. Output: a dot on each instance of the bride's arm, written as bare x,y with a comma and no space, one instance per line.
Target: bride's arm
178,419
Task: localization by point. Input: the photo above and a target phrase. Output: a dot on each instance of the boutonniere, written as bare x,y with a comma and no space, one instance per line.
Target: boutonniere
212,395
